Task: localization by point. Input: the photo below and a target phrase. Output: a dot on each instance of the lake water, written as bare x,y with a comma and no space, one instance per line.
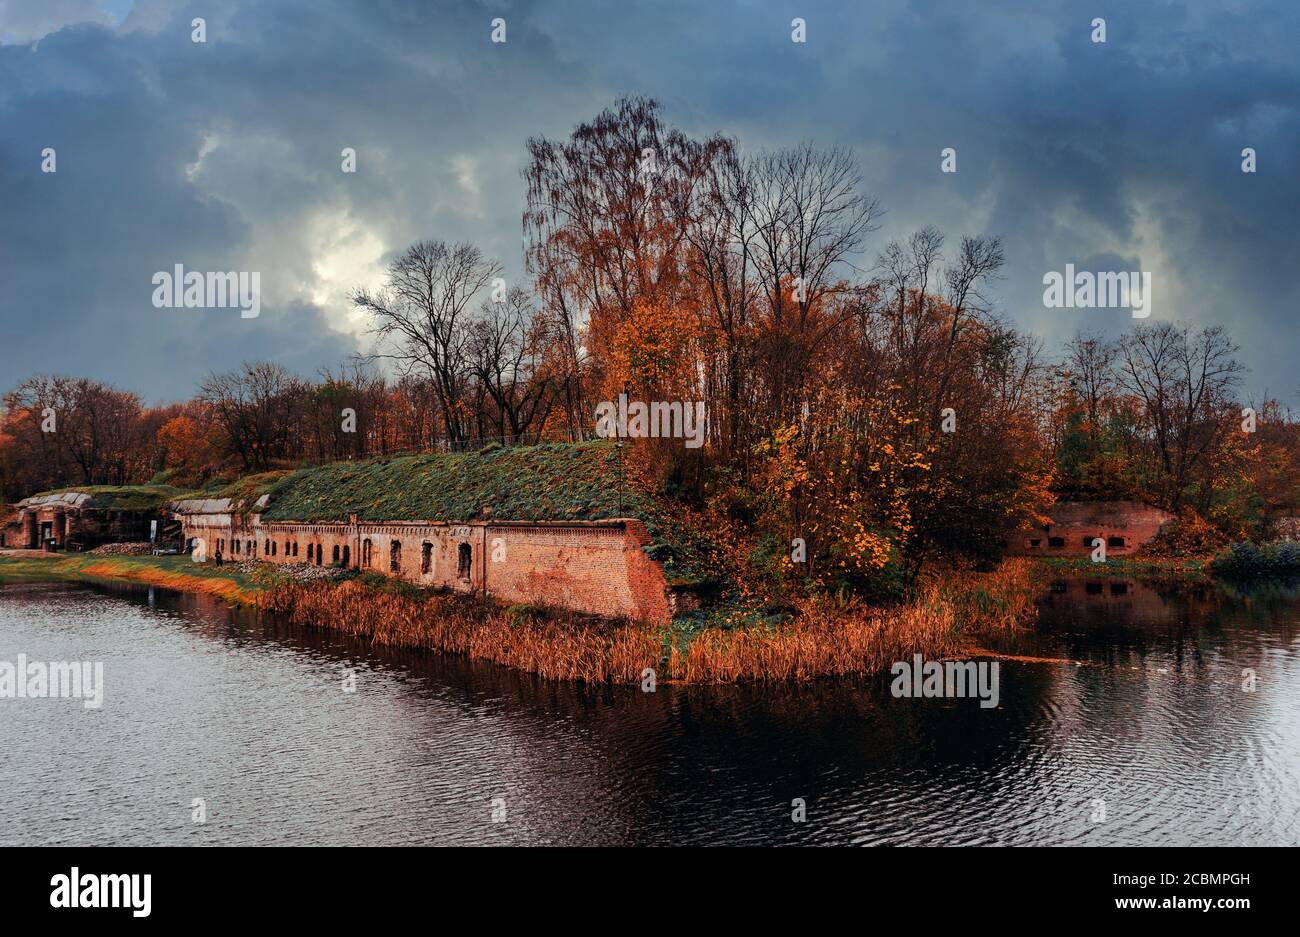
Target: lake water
1135,730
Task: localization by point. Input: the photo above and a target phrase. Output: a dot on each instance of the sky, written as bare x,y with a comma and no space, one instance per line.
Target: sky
225,155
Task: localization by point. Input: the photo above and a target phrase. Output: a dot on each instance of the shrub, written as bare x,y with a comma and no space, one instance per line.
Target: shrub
1189,535
1246,560
523,614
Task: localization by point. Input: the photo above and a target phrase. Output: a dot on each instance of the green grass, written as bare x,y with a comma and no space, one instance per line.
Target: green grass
125,497
1150,568
178,572
555,482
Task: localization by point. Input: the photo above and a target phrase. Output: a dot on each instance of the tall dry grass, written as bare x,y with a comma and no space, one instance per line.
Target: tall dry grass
559,647
828,637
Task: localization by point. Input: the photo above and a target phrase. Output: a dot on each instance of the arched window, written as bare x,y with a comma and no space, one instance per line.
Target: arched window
365,552
395,556
295,548
336,555
426,557
347,556
464,559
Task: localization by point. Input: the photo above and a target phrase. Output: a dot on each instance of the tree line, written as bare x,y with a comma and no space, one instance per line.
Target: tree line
869,404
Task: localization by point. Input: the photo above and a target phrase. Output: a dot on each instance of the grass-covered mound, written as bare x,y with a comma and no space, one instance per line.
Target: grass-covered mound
584,481
122,497
555,482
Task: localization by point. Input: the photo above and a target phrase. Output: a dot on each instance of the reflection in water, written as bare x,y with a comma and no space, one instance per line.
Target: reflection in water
1147,714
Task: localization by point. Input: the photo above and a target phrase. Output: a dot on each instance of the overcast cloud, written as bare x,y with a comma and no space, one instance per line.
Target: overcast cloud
225,155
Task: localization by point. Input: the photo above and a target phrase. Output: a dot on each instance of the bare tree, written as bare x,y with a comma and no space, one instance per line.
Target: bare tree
1184,380
423,315
257,407
1090,367
505,357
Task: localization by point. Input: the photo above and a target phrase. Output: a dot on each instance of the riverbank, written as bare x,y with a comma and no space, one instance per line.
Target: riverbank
228,582
818,636
1146,568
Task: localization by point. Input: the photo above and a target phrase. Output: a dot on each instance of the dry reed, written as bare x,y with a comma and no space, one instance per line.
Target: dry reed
826,638
559,647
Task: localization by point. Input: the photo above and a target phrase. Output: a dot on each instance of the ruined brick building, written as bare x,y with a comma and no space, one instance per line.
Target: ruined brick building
83,519
526,525
598,567
1123,526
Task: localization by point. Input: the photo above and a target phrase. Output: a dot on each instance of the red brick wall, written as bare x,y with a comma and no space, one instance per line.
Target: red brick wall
1078,523
601,570
598,568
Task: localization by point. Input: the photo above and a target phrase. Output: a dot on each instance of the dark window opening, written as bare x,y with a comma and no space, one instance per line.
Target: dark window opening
1115,541
395,556
336,554
1088,541
1119,588
295,548
464,557
1056,541
347,556
1092,588
426,557
1036,542
365,552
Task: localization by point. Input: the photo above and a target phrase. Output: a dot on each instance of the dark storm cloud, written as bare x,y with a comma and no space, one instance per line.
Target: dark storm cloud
226,155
